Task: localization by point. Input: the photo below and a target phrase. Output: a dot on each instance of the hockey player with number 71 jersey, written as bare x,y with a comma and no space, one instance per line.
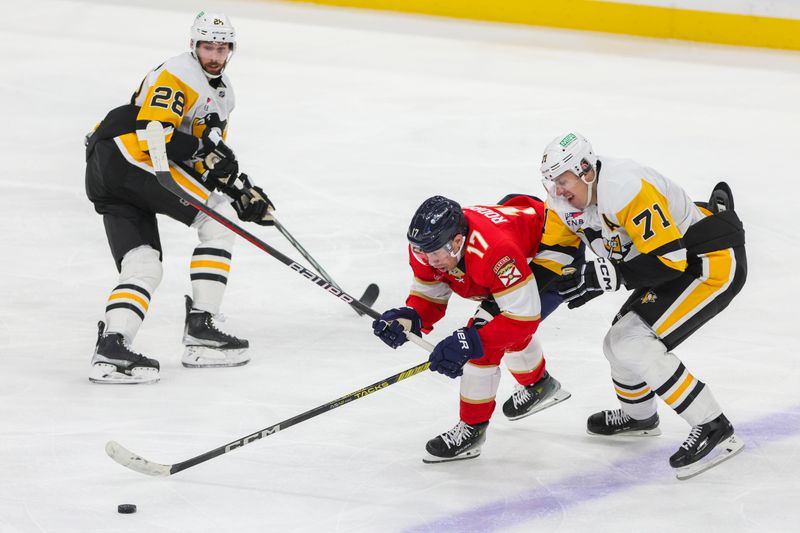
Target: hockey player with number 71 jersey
192,97
684,263
482,253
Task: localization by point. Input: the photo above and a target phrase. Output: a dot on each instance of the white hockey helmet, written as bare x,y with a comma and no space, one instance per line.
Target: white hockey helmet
571,152
214,28
568,152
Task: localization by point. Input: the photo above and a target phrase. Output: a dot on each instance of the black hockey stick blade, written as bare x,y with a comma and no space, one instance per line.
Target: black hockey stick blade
137,463
370,295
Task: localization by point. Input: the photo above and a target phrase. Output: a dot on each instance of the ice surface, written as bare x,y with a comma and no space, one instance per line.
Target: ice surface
349,120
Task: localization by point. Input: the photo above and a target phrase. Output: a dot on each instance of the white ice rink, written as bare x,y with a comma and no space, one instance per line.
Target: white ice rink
349,120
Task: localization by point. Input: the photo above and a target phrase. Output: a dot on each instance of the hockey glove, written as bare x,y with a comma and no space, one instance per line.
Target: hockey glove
217,158
392,325
578,285
253,205
450,355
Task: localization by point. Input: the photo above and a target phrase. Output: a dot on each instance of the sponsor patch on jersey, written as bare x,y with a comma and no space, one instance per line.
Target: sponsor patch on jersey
574,220
509,274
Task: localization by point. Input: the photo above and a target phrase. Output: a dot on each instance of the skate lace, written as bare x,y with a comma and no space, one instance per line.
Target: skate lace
520,396
134,357
616,417
211,321
457,435
694,435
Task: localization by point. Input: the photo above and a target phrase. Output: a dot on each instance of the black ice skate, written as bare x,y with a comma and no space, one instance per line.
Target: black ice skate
207,346
114,362
616,422
533,398
462,442
706,446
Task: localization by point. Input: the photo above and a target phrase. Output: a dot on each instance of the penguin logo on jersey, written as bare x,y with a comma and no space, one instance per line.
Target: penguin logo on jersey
649,297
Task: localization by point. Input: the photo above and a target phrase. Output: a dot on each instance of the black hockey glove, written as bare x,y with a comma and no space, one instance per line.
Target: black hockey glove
217,158
578,285
252,205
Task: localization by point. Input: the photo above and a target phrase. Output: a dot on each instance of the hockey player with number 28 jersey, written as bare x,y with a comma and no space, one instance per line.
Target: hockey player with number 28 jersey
684,263
481,253
192,97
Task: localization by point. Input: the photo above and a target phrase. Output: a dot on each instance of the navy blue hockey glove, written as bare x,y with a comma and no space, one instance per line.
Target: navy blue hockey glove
578,285
451,354
392,325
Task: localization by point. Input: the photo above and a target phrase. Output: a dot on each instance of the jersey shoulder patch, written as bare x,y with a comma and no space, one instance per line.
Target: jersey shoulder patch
506,271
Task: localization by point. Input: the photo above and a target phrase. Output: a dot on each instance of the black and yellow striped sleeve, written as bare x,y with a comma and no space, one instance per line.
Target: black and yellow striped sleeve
559,246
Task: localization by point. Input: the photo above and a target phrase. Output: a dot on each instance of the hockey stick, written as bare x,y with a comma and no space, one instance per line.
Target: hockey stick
370,293
158,154
137,463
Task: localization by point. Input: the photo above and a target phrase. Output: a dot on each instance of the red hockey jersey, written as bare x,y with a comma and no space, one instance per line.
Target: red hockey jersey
501,241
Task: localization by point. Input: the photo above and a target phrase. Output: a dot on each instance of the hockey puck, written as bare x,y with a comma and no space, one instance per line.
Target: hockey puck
126,508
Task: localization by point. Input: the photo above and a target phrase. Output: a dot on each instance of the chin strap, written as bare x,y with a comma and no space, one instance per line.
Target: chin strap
589,184
457,253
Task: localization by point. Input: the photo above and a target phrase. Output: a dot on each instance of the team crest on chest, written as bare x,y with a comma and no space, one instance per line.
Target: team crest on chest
457,274
507,271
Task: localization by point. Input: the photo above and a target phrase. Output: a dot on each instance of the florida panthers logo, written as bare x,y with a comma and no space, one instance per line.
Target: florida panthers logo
507,271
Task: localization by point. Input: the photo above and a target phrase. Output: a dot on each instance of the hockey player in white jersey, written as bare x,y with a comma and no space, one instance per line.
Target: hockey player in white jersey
192,97
684,262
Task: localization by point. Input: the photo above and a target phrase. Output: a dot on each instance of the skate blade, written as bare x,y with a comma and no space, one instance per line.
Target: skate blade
559,396
106,374
206,357
432,459
635,433
727,449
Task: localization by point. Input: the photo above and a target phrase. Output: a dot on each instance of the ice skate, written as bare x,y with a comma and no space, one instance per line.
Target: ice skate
464,441
207,346
533,398
616,422
114,362
706,446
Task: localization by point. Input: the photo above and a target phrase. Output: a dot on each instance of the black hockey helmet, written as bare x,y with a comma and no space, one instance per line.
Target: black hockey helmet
435,223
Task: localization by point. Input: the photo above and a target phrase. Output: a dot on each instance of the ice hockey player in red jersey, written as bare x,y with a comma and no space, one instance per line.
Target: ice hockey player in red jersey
684,262
192,97
481,253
